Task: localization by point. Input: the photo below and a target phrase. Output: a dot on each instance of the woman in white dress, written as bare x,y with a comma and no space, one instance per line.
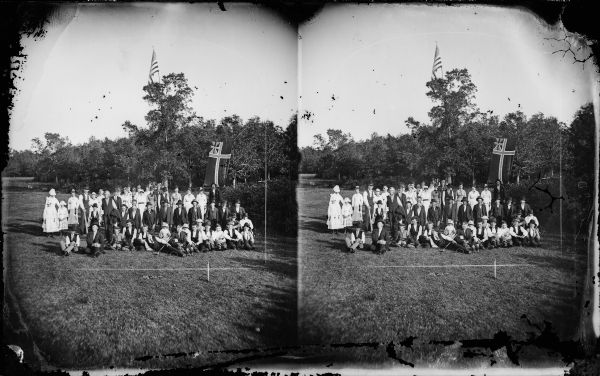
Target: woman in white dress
50,224
357,205
73,207
335,220
63,217
347,212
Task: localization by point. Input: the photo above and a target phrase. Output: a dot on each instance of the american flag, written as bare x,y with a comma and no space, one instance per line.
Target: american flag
437,64
153,68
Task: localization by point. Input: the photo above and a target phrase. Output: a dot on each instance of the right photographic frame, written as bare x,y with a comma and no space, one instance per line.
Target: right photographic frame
447,188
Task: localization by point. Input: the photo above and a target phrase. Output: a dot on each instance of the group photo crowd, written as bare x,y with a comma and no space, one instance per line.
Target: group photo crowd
152,219
435,215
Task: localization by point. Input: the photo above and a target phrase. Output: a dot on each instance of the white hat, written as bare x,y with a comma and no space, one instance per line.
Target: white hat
62,203
336,189
52,192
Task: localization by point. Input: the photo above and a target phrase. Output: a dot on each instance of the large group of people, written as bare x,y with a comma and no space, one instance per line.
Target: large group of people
435,215
151,219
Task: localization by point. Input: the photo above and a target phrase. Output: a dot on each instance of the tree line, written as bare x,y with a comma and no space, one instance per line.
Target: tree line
173,147
457,143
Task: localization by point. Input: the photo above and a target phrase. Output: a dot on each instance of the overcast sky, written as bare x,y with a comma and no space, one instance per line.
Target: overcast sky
85,77
376,59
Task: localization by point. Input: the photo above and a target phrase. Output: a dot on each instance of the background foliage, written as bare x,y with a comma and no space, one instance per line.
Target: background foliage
174,146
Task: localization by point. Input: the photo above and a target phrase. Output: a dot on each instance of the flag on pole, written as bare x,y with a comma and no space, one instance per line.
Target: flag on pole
153,69
501,163
218,156
437,64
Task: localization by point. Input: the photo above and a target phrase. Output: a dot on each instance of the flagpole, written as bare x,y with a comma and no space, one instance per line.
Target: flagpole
266,175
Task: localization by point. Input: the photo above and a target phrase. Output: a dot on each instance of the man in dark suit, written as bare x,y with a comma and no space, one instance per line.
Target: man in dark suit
213,194
238,211
179,215
224,214
135,215
450,211
165,215
194,213
510,210
523,209
111,215
164,197
465,214
95,241
395,210
479,210
149,217
380,239
419,211
117,197
434,214
497,210
212,214
123,216
498,192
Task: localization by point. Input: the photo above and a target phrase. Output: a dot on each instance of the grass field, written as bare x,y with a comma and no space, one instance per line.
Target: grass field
82,318
350,298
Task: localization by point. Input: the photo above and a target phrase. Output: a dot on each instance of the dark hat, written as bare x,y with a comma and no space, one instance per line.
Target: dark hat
238,201
213,202
164,202
94,205
531,222
246,225
479,198
371,184
492,219
179,202
194,201
379,221
125,205
86,188
73,190
357,187
464,199
149,204
433,200
129,221
523,198
94,223
116,224
206,223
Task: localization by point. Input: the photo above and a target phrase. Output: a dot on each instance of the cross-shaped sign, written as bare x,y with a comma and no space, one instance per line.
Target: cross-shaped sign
216,152
500,150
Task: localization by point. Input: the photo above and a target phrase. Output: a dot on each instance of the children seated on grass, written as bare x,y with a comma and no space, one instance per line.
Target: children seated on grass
355,238
533,234
518,233
70,243
504,235
248,237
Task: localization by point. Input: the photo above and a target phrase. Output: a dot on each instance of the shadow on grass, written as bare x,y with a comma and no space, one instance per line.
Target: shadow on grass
559,262
278,324
313,225
284,268
32,228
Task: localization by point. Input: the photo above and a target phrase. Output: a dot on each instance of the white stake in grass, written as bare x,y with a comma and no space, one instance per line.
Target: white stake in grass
208,271
494,268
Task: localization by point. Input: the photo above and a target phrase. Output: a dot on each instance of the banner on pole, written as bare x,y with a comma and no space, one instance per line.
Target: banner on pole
218,157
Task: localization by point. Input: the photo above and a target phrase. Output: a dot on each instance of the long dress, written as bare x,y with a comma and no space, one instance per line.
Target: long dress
357,207
63,215
347,214
335,220
50,223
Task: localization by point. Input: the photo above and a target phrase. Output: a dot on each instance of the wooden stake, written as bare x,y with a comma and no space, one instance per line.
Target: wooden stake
208,271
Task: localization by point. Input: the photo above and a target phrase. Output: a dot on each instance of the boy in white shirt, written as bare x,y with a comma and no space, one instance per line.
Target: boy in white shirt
218,239
232,237
355,238
518,233
70,243
504,236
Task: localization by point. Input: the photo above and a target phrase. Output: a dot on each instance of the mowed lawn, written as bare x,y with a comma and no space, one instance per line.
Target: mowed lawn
350,298
82,318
